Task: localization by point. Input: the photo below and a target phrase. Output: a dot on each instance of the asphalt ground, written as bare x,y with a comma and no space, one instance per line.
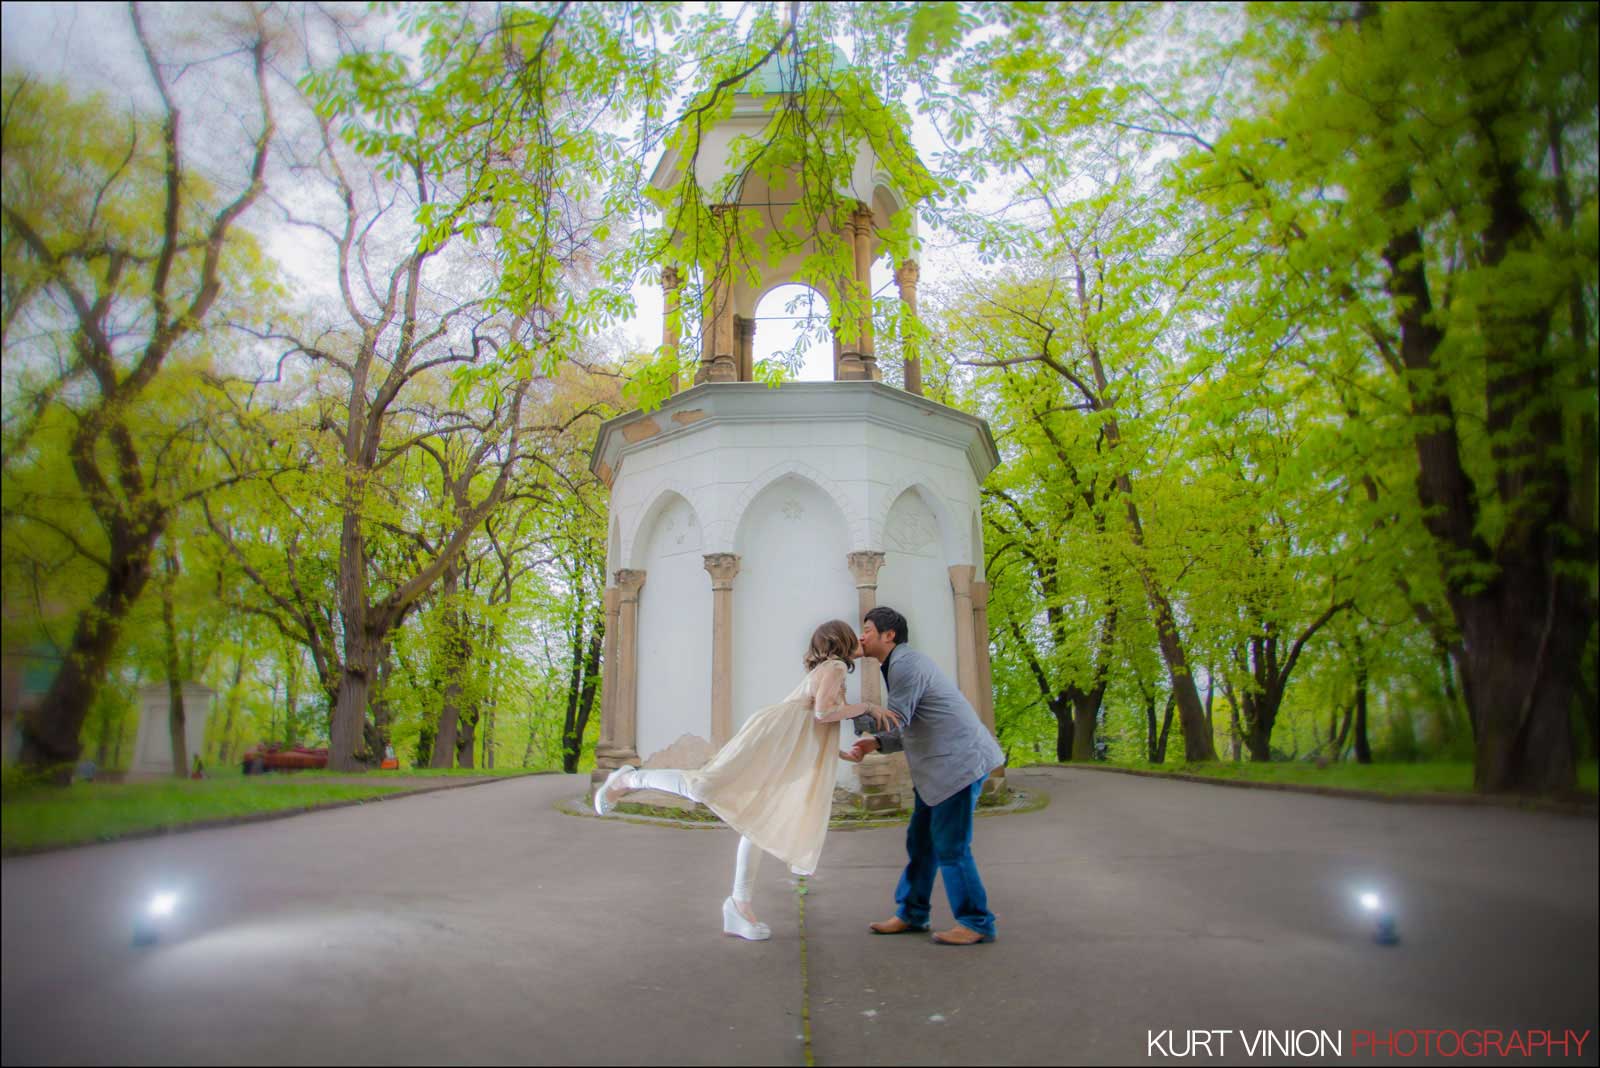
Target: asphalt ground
484,925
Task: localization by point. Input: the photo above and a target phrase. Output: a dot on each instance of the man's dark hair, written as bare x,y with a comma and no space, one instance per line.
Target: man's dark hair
886,619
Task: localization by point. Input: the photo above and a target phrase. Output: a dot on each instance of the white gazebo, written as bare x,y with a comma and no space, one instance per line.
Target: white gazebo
742,515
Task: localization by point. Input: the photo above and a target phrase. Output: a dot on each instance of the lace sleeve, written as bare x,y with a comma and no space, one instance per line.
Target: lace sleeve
827,688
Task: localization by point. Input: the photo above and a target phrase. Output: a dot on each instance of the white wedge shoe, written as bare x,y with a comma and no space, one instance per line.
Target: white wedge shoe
734,923
602,797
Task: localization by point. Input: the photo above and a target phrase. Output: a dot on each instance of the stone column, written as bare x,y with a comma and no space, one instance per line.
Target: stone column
966,659
671,323
722,567
702,371
863,233
724,364
744,341
625,733
606,756
858,361
864,567
906,277
881,775
980,634
846,345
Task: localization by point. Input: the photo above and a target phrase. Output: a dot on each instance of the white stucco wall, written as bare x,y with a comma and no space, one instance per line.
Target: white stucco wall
675,637
915,580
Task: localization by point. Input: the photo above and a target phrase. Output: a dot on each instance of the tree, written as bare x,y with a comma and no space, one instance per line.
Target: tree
121,251
1419,179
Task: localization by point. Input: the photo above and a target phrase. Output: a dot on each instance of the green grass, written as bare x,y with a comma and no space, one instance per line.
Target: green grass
1446,777
44,816
427,773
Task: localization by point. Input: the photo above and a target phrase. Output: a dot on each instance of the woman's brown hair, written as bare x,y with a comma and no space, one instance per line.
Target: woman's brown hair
834,640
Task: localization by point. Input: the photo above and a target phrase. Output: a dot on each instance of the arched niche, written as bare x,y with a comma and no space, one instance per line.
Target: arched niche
632,534
915,578
674,688
793,546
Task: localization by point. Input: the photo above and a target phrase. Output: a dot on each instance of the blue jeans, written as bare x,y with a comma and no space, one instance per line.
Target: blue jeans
939,842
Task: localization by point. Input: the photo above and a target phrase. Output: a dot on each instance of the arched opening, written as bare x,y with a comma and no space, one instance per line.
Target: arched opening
793,326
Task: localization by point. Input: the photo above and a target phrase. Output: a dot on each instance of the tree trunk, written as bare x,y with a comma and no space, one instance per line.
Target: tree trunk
176,725
527,752
1150,729
423,757
102,747
1259,739
446,731
488,738
1166,730
1524,659
225,745
347,720
467,737
1065,730
346,729
377,728
291,700
347,750
51,729
447,737
1260,717
1363,746
1343,737
1519,629
592,679
1085,711
1197,743
1211,693
580,689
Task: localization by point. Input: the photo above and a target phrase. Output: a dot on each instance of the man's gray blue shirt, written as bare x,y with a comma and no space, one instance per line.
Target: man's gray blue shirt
946,744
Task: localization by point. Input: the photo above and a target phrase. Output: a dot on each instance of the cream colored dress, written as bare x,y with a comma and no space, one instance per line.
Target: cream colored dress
773,781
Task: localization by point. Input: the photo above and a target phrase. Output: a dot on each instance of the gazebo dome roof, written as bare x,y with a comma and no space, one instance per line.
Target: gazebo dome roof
777,74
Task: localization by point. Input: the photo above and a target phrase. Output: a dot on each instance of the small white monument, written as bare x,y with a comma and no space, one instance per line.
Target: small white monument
152,747
742,516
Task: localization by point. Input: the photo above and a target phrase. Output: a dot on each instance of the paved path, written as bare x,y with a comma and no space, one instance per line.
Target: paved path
482,925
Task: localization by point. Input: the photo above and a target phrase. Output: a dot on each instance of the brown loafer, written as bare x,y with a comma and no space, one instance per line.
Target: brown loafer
894,925
960,936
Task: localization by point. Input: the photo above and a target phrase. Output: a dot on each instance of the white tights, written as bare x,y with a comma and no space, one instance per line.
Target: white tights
748,859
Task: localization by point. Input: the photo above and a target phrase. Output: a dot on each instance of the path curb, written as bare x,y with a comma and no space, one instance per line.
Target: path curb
1527,804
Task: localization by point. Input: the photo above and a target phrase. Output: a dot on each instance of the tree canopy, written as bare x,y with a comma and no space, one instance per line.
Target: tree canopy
1283,317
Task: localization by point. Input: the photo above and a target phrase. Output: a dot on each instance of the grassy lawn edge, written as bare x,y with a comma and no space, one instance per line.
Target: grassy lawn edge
1438,781
47,819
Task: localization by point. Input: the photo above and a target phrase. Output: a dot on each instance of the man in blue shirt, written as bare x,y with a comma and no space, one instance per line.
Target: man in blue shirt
951,753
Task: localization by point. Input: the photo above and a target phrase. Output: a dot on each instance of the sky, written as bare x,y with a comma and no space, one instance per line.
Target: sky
91,46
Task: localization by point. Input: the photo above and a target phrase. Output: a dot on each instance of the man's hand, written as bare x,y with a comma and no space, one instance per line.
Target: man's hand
886,719
864,745
883,719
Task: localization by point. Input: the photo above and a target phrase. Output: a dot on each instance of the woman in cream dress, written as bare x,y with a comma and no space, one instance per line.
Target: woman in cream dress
773,781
